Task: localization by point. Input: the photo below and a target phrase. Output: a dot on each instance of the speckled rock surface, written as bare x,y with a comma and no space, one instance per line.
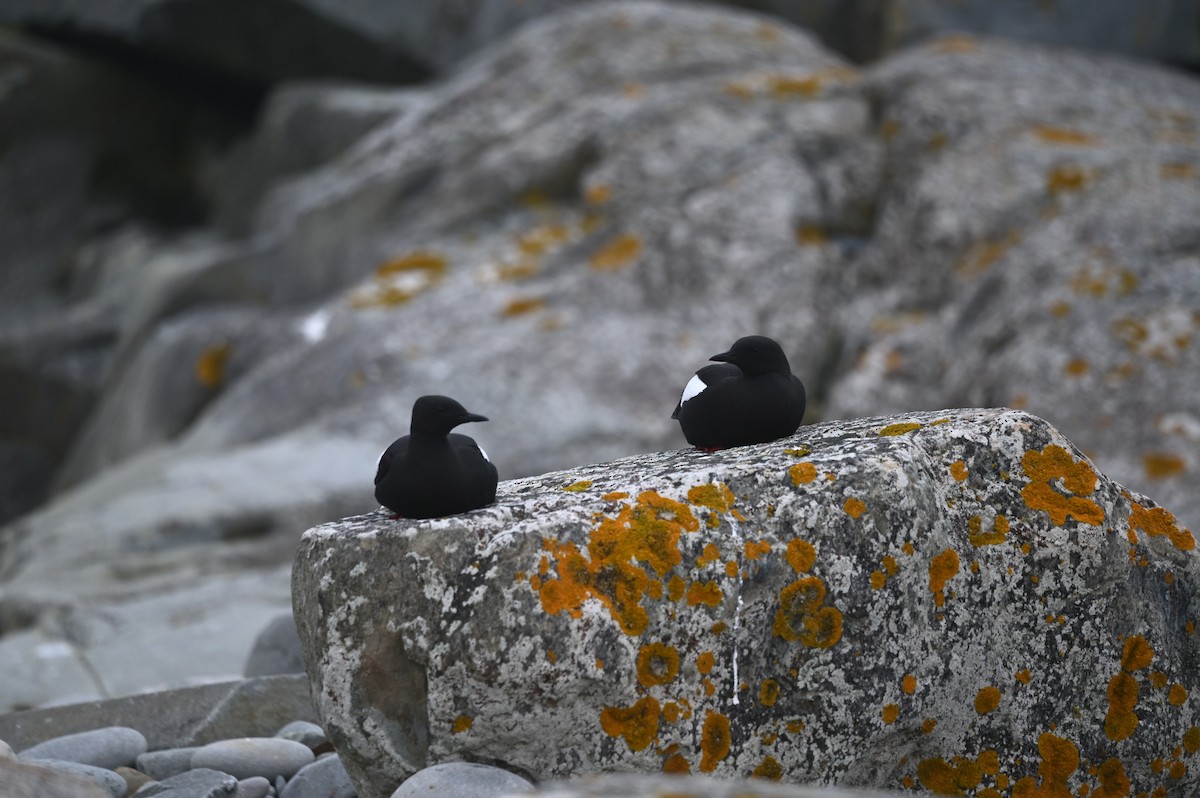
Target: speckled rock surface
627,785
1036,248
937,600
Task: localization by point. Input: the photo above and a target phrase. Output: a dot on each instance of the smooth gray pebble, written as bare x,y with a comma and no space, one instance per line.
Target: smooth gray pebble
166,763
462,780
244,757
325,778
302,731
110,747
254,787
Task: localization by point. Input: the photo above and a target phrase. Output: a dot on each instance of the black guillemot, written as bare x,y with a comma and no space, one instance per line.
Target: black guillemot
749,396
432,472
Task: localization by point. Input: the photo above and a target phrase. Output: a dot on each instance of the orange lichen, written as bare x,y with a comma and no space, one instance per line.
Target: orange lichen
1066,177
1113,781
801,555
1054,466
908,548
1121,721
1177,171
802,473
978,538
989,761
670,712
708,556
878,580
705,662
890,713
1060,759
676,587
1158,521
756,549
731,568
768,692
1076,367
638,724
1191,740
769,768
928,725
1177,695
811,235
579,486
645,532
981,256
908,684
615,495
942,568
1136,654
709,593
1162,465
958,470
420,261
715,740
657,663
987,699
1158,679
523,305
677,764
210,366
617,253
901,428
790,85
854,507
715,496
944,778
461,724
803,617
1062,135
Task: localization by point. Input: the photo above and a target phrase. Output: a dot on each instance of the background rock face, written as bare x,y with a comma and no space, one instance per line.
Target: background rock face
952,600
557,234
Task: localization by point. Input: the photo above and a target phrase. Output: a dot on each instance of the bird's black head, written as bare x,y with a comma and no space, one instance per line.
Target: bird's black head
756,354
437,415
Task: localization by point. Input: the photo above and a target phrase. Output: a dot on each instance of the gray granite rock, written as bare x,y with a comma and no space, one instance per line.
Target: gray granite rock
134,779
254,756
462,779
196,783
109,747
103,777
932,599
629,785
327,778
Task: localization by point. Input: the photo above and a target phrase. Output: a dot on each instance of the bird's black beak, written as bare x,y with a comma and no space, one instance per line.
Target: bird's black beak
724,357
465,417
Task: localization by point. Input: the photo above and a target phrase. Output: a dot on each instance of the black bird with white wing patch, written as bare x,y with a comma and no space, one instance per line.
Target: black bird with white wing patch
749,396
433,472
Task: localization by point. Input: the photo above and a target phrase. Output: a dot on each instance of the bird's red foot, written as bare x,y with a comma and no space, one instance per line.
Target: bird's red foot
710,449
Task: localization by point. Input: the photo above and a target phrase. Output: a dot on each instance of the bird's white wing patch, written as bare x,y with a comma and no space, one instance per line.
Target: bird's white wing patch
692,389
482,452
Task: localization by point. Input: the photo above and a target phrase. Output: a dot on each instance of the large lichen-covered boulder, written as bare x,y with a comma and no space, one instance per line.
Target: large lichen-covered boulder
952,601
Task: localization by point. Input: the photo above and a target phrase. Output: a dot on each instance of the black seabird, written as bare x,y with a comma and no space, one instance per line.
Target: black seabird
432,472
750,396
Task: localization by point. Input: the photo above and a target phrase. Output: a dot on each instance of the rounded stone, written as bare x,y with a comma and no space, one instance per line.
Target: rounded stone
302,731
134,779
110,747
325,778
6,751
462,780
166,763
104,777
254,756
197,782
253,787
